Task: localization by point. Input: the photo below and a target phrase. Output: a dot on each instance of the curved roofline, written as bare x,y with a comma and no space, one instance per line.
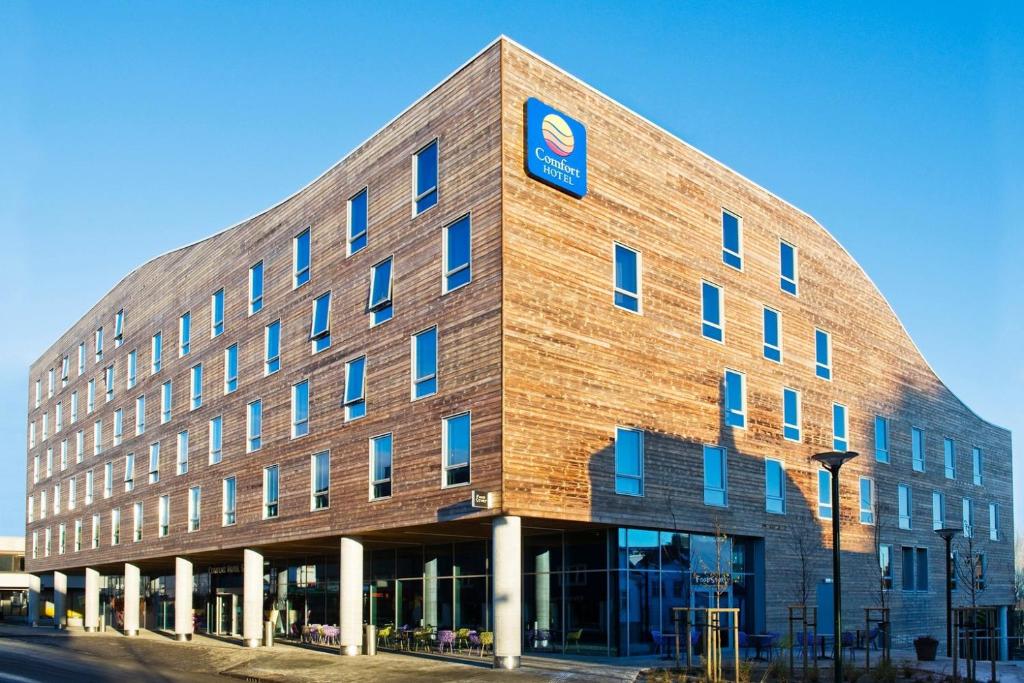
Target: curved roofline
584,84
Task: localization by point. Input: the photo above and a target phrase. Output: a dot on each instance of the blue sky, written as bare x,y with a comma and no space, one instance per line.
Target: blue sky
130,129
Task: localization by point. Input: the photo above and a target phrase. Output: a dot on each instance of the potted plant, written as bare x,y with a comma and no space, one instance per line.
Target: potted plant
926,647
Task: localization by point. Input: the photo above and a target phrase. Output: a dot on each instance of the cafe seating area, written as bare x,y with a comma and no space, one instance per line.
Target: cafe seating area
430,639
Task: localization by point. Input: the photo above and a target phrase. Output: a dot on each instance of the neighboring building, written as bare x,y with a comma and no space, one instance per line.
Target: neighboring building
14,582
635,365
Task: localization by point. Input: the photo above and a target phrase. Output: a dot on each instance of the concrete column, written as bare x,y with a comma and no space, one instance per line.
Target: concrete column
430,593
351,594
33,600
92,600
182,599
252,595
1004,642
508,591
131,599
542,597
282,599
60,600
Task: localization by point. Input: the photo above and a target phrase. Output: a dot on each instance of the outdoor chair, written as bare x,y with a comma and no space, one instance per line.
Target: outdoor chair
462,638
421,638
486,641
658,640
774,643
873,639
384,636
446,637
573,638
331,636
744,645
805,641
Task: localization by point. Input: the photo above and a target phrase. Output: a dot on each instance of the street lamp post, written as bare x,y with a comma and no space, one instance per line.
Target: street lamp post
833,461
947,534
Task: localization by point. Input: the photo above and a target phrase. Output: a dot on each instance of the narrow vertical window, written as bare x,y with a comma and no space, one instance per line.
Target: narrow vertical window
72,493
917,449
627,281
140,415
424,182
61,538
271,485
772,334
166,392
217,313
300,409
96,531
58,417
196,396
228,502
165,516
216,439
922,569
137,523
905,504
90,397
787,268
157,351
154,462
108,480
254,427
457,269
182,452
355,389
320,481
357,222
133,365
89,485
119,328
81,360
320,325
712,307
74,407
824,494
968,517
907,554
976,465
734,394
380,466
184,334
99,348
193,508
424,363
256,288
716,480
949,453
97,441
78,535
993,522
840,428
65,365
774,487
380,305
881,439
867,501
938,510
823,354
118,426
230,368
108,382
456,439
301,259
272,348
732,240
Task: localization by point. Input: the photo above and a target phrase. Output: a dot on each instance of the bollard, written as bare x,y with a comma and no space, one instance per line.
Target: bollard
370,637
268,634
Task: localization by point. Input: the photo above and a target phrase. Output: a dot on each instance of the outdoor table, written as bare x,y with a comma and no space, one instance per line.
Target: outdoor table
823,638
668,645
760,641
861,633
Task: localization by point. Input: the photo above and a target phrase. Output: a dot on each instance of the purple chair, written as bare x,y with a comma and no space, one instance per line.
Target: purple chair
446,637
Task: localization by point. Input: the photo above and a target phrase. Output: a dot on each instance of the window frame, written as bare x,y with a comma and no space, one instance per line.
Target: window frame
352,405
320,340
166,401
819,367
904,521
229,514
766,346
866,514
798,425
217,327
723,464
196,388
195,499
417,194
414,381
940,498
350,238
768,496
783,279
641,458
705,323
446,467
184,334
733,417
156,352
447,272
256,301
250,435
267,502
826,509
271,364
844,441
385,306
389,480
307,271
294,422
181,463
726,252
230,369
918,464
314,492
215,455
883,455
636,296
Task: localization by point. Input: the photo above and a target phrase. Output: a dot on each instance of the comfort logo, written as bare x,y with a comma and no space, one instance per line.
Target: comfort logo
557,135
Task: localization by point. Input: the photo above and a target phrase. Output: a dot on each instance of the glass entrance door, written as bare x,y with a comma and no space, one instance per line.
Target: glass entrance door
715,596
225,603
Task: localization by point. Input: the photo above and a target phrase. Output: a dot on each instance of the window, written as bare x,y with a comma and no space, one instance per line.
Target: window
39,392
272,348
157,352
184,334
301,259
119,328
182,452
905,502
993,522
380,466
381,307
78,535
734,395
732,240
35,544
228,505
922,569
881,439
115,526
300,409
355,389
118,426
108,382
137,523
65,364
196,398
154,462
217,313
32,434
867,501
457,269
230,368
99,347
628,273
457,441
840,425
271,484
424,363
968,510
165,402
357,221
629,462
74,408
216,439
49,462
716,481
424,178
72,493
915,568
89,487
254,427
140,415
63,455
949,451
787,267
62,537
165,516
58,417
976,465
772,334
320,483
255,288
712,306
824,494
938,510
320,327
31,509
46,425
95,531
97,440
823,354
90,397
56,498
917,449
133,364
774,487
43,497
193,508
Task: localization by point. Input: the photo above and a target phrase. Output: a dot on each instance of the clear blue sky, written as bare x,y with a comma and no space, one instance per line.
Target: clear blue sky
130,129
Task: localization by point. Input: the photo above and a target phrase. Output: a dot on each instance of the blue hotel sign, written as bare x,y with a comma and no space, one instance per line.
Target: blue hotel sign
556,148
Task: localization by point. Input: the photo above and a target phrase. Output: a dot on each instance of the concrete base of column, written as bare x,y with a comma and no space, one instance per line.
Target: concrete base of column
251,642
90,629
183,637
351,650
506,661
131,632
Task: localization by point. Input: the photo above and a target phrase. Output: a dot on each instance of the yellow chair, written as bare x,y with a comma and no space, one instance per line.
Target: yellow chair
384,636
462,638
486,641
573,638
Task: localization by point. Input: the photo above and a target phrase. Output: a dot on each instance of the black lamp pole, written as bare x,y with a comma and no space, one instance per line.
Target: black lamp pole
832,461
947,534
